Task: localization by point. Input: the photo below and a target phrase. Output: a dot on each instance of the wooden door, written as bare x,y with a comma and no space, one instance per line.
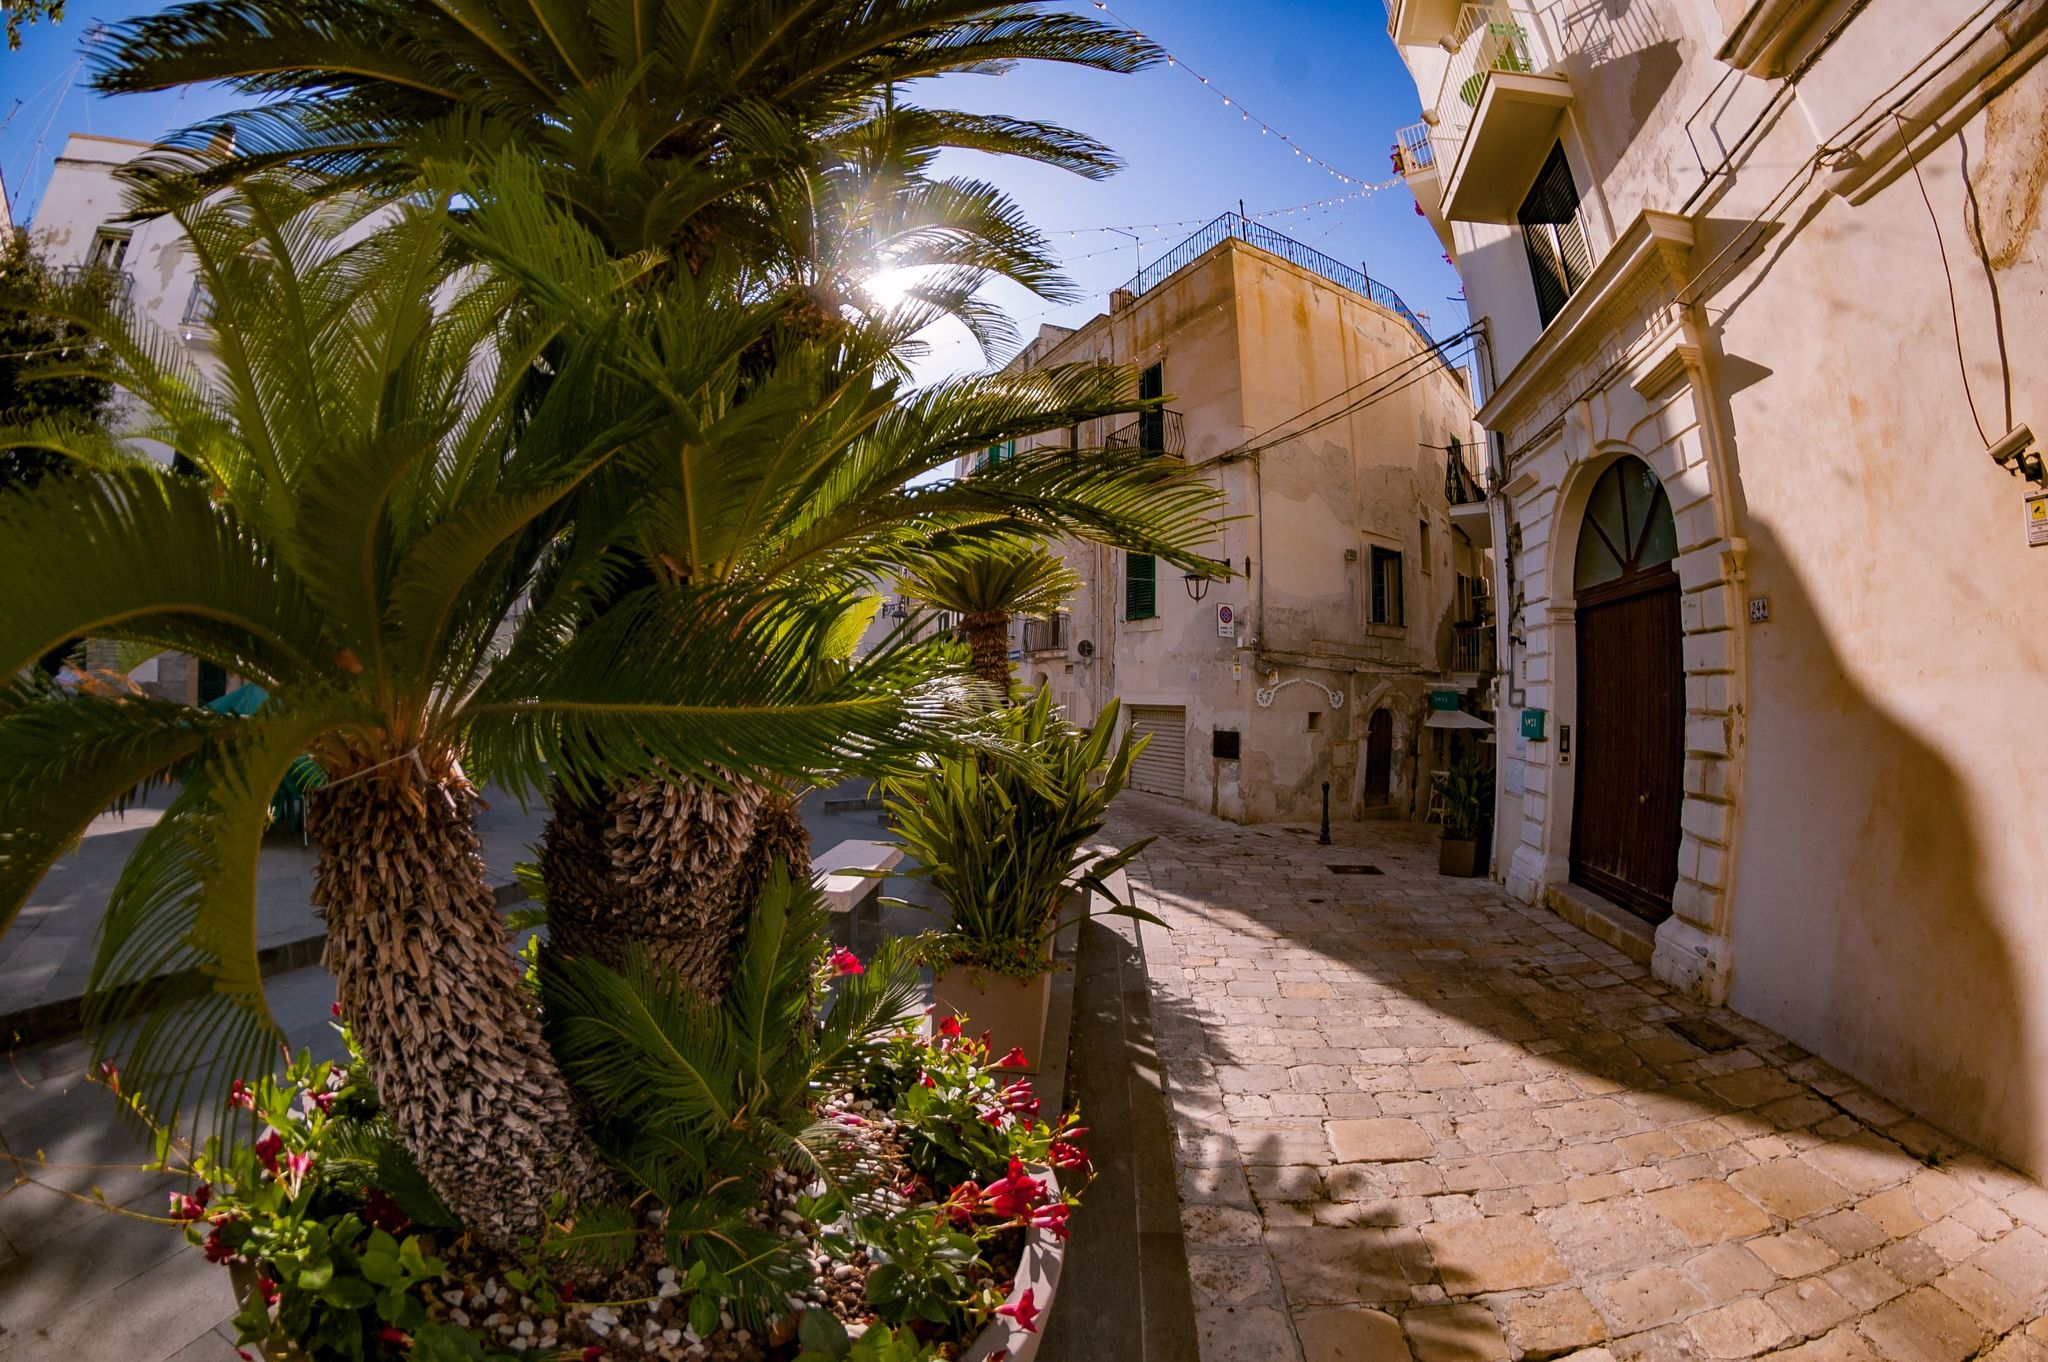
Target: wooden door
1379,757
1631,747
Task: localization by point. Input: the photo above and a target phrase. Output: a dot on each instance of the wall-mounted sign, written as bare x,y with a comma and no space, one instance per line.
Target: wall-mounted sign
2037,519
1759,609
1532,724
1226,622
1443,699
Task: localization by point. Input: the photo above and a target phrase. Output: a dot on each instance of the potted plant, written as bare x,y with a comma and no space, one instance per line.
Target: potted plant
1005,840
1466,788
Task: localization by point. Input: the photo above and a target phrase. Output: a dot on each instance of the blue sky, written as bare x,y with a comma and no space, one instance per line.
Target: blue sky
1321,71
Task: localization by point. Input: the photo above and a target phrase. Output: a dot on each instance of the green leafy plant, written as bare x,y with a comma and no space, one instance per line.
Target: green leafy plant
1468,786
1006,840
699,1103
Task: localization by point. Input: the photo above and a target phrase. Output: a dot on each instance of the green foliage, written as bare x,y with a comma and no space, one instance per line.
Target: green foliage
42,349
1468,787
1007,840
827,1341
1003,578
699,1103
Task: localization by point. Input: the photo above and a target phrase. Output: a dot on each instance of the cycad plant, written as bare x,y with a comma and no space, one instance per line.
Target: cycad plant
375,476
988,585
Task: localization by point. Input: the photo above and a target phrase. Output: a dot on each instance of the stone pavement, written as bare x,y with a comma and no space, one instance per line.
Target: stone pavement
1416,1119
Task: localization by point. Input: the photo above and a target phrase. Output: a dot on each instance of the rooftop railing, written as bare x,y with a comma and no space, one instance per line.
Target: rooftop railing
1287,248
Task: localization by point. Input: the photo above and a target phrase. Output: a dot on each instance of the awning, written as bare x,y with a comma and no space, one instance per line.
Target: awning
1455,718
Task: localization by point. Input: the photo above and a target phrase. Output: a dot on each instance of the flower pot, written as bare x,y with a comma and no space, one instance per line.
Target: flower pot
1038,1271
1011,1009
1458,857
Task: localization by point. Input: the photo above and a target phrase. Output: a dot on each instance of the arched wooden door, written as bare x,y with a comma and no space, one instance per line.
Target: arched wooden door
1379,757
1630,782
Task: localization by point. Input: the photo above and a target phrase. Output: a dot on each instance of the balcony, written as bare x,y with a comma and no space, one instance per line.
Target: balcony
1420,23
1497,112
116,286
1154,432
1047,635
1472,649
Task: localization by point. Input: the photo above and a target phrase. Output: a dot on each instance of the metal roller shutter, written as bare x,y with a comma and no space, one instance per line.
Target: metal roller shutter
1162,767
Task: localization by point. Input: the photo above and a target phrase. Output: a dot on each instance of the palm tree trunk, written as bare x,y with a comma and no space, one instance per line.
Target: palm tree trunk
988,634
434,998
672,866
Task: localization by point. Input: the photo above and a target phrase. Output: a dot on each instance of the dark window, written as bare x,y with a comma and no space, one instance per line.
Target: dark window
1223,744
1152,424
1558,259
109,249
1386,587
1141,586
995,454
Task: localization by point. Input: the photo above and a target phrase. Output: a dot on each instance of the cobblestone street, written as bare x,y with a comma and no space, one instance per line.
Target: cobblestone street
1414,1118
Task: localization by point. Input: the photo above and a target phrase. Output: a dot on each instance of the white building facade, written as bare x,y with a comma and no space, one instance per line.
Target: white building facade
1765,293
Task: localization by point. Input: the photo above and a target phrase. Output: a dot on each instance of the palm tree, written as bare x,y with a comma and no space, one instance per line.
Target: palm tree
809,473
776,134
988,586
376,477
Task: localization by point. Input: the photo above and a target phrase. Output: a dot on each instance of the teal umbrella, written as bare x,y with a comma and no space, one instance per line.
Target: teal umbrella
288,805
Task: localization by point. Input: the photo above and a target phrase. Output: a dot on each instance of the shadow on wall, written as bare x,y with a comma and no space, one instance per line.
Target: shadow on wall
1861,925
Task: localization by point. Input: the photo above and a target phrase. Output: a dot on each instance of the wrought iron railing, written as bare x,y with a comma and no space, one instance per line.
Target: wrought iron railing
199,305
1488,38
1155,432
1287,248
1472,648
119,284
1413,151
1048,635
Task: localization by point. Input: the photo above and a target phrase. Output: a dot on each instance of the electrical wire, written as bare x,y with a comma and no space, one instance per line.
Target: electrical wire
1955,315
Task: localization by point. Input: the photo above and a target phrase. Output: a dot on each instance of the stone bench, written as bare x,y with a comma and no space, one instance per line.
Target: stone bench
849,878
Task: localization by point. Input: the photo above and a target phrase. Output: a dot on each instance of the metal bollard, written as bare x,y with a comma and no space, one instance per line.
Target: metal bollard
1323,839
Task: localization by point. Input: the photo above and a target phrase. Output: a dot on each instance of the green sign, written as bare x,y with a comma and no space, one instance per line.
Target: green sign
1532,724
1443,699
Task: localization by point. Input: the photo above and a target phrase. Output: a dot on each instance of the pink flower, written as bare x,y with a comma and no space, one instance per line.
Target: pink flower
949,1027
1064,1155
334,1008
961,1205
218,1249
993,1116
267,1150
322,1100
191,1207
241,1095
1023,1310
845,962
269,1290
1016,1194
1052,1217
296,1166
1014,1060
110,1075
1019,1098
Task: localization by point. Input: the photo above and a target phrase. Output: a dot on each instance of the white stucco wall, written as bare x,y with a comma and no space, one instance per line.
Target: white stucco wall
1862,866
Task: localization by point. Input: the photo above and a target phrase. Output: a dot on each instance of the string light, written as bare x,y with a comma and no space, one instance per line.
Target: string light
1265,128
1259,215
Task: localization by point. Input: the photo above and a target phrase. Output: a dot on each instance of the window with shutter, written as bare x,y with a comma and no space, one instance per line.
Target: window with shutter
1152,424
1558,259
1141,586
1387,605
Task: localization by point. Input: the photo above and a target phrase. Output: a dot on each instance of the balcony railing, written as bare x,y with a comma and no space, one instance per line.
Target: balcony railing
1155,432
1472,648
1045,635
119,285
198,305
1489,38
1287,248
1413,151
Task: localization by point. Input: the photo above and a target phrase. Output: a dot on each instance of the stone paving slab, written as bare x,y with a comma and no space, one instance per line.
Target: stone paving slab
1415,1119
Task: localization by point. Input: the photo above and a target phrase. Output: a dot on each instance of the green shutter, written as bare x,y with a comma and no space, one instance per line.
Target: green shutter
1141,586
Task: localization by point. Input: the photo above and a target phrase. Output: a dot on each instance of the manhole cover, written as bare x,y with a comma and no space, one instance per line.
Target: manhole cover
1356,870
1705,1034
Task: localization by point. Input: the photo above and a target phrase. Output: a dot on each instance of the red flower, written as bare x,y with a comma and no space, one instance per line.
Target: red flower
380,1212
1064,1155
1019,1098
334,1008
241,1095
191,1207
267,1150
1052,1217
296,1166
1014,1060
218,1249
1016,1194
323,1100
394,1337
994,1116
926,1079
949,1027
1023,1310
593,1353
845,962
110,1075
961,1205
269,1290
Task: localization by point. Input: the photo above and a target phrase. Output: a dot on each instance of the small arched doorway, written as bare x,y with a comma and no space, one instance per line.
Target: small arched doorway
1379,758
1630,785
